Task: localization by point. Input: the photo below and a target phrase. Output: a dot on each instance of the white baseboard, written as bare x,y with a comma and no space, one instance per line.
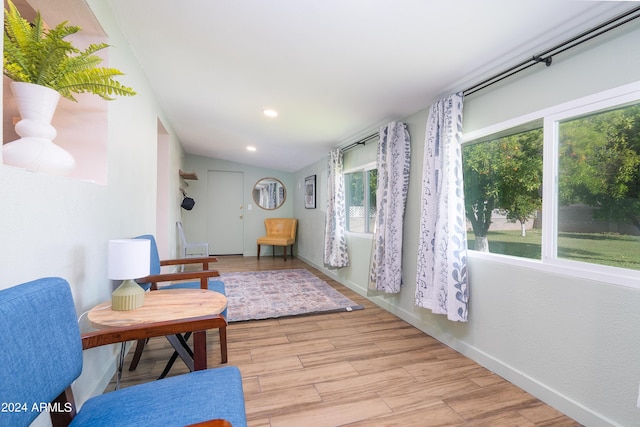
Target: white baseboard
549,396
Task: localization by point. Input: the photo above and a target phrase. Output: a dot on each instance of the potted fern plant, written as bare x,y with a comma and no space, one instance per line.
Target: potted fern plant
44,66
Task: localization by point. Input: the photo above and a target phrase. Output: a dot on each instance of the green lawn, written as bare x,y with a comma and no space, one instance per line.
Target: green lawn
597,248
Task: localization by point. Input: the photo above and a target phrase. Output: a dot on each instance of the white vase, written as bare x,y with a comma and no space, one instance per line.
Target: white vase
35,149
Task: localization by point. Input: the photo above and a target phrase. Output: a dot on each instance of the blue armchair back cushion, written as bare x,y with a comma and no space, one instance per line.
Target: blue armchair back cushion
154,261
42,350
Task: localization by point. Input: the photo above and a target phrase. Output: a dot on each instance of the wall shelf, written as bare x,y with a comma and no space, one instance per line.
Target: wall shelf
188,175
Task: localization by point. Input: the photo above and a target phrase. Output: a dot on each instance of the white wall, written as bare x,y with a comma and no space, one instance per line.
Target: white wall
52,226
310,238
573,343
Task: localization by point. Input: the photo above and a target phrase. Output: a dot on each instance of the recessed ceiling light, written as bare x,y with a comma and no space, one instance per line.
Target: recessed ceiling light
251,148
270,113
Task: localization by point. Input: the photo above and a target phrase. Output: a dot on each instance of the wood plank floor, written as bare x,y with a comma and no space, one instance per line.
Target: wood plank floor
360,368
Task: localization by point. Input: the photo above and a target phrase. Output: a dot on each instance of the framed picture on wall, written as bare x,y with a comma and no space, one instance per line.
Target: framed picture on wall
310,192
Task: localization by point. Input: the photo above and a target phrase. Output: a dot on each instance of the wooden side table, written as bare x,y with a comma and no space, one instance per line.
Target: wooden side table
164,313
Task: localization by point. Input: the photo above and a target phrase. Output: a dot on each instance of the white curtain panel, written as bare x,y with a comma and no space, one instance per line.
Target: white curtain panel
442,284
264,197
393,163
273,195
335,236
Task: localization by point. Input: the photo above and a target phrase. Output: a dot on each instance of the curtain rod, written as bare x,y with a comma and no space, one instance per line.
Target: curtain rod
546,57
363,141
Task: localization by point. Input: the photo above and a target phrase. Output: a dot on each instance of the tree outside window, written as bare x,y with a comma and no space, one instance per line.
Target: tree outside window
599,188
502,181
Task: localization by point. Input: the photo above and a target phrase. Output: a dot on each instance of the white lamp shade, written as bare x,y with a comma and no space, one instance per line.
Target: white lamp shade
128,259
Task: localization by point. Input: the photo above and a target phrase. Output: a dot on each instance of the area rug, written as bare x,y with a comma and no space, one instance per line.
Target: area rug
270,294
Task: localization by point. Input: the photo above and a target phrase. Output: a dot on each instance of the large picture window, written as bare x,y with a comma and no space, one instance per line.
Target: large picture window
561,188
360,192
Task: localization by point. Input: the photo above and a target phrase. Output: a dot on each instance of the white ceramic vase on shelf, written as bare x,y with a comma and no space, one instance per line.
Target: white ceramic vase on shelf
35,150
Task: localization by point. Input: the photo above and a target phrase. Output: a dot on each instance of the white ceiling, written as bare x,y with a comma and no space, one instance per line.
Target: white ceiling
335,70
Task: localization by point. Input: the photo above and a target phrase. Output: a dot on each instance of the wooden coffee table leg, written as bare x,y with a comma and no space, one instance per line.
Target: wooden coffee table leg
199,350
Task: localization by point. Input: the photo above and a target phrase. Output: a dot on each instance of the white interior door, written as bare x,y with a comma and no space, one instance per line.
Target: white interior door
225,222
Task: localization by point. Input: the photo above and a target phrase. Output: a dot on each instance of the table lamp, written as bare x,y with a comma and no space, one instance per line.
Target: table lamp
128,260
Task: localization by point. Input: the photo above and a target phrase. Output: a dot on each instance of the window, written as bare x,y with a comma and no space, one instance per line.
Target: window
598,214
360,194
562,187
503,183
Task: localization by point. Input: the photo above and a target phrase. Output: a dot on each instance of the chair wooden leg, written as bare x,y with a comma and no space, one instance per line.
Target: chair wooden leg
67,403
199,350
223,343
284,249
258,250
137,355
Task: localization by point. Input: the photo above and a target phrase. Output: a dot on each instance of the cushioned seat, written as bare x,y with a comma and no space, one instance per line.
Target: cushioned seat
280,232
157,403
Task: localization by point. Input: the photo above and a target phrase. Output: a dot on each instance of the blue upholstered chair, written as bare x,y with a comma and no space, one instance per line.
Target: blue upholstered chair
156,264
183,278
42,356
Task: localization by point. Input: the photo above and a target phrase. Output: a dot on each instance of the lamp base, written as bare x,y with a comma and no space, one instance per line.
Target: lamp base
128,296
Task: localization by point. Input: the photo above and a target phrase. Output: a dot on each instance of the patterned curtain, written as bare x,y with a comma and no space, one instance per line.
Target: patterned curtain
264,197
272,189
442,284
267,196
394,156
335,237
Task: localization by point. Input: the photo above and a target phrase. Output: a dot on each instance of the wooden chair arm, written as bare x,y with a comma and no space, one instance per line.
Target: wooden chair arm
155,329
204,275
212,423
199,260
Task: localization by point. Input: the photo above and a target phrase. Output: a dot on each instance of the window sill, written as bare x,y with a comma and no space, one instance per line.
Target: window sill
594,272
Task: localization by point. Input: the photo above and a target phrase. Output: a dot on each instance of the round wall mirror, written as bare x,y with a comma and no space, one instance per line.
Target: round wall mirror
269,193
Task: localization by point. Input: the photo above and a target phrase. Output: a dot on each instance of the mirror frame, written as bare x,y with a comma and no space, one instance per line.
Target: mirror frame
256,197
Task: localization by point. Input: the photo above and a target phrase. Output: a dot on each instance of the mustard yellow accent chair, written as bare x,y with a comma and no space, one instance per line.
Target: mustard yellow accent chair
280,232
